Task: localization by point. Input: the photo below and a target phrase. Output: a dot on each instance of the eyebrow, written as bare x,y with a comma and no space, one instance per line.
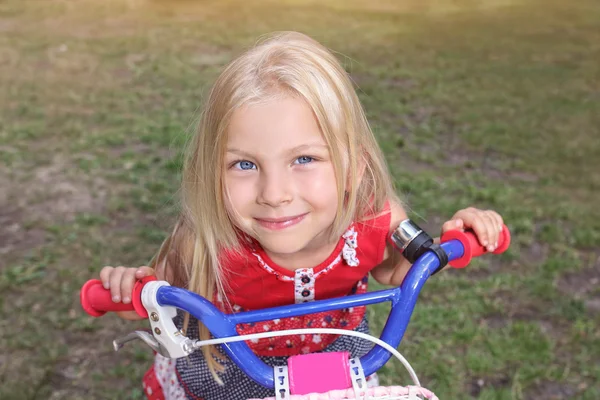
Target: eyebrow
309,146
302,147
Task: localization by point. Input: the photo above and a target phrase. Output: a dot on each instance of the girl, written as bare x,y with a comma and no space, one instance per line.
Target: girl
286,199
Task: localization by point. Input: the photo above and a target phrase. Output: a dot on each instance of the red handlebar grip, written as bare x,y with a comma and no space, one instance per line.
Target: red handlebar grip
472,246
96,301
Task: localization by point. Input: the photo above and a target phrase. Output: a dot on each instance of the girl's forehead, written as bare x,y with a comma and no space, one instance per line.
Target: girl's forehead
274,125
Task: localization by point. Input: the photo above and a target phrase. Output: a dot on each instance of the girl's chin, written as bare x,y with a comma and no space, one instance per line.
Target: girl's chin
284,248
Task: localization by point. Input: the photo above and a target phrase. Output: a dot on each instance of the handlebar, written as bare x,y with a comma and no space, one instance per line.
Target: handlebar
96,300
472,247
459,246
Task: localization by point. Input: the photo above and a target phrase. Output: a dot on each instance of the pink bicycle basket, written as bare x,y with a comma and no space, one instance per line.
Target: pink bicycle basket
376,393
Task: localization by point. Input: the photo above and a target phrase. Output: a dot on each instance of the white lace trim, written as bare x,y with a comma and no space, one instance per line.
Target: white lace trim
164,369
271,270
304,285
349,250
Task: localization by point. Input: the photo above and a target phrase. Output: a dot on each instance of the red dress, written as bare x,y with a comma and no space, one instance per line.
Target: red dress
255,282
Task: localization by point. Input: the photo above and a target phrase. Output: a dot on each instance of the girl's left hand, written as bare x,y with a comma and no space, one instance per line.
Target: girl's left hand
487,225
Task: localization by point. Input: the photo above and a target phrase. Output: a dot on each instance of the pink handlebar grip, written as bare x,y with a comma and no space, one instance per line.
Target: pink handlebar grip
472,246
96,301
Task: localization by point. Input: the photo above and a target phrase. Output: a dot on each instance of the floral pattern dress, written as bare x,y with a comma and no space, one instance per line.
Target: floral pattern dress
256,282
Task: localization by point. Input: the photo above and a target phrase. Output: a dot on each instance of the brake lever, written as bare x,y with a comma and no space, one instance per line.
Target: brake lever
145,337
165,336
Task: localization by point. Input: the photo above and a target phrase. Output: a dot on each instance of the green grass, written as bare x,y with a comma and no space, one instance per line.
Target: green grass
488,103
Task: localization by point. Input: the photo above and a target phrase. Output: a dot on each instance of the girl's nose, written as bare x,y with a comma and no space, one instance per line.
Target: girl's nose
275,189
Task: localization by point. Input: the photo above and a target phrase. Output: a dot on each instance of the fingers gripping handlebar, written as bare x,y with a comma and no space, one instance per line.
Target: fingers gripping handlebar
472,247
96,300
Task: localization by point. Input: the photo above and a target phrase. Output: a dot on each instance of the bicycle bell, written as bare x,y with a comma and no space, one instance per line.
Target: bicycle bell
411,240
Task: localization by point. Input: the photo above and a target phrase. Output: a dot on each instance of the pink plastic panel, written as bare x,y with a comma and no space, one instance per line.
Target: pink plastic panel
319,372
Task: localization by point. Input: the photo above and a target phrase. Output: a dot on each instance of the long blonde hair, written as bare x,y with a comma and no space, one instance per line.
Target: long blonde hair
284,64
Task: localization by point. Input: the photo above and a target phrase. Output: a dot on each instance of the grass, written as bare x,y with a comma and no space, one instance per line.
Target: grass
491,103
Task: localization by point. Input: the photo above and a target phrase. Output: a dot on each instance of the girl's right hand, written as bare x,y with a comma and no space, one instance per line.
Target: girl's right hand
120,281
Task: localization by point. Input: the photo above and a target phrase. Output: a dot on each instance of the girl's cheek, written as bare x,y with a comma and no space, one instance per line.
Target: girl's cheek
238,182
322,177
236,192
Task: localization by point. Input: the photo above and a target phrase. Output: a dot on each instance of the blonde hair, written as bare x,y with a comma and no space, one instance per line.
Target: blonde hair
285,64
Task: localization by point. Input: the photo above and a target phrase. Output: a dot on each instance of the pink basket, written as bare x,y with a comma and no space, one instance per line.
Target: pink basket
380,392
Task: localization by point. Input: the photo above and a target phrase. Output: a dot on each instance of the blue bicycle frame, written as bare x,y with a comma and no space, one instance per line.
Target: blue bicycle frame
403,300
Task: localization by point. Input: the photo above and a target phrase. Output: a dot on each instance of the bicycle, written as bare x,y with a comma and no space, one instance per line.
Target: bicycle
307,376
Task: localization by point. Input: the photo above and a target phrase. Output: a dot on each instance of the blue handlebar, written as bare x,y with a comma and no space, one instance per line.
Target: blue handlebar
403,300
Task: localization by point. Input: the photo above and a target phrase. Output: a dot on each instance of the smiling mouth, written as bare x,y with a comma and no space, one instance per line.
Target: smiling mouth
280,223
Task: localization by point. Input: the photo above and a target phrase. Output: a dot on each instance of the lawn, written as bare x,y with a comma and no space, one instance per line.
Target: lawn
489,103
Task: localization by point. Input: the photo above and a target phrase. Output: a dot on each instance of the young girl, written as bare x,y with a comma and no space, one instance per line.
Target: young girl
286,199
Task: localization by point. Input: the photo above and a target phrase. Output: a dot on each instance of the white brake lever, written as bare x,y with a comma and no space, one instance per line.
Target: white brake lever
171,340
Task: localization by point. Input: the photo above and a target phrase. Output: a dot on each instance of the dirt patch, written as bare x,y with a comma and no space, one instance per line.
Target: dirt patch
55,195
445,145
489,162
91,353
535,254
72,369
515,308
519,309
583,285
14,236
48,194
551,391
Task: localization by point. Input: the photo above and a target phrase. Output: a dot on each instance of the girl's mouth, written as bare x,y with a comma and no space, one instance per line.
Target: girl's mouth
276,224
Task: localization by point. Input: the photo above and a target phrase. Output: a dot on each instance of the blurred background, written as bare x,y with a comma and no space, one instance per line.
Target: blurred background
493,103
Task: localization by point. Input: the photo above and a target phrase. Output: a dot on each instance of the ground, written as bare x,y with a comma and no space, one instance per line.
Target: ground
488,103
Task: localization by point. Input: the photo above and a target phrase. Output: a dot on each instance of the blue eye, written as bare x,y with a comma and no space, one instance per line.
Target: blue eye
244,165
303,160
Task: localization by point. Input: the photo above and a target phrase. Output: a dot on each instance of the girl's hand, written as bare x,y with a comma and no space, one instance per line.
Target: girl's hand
120,281
486,224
